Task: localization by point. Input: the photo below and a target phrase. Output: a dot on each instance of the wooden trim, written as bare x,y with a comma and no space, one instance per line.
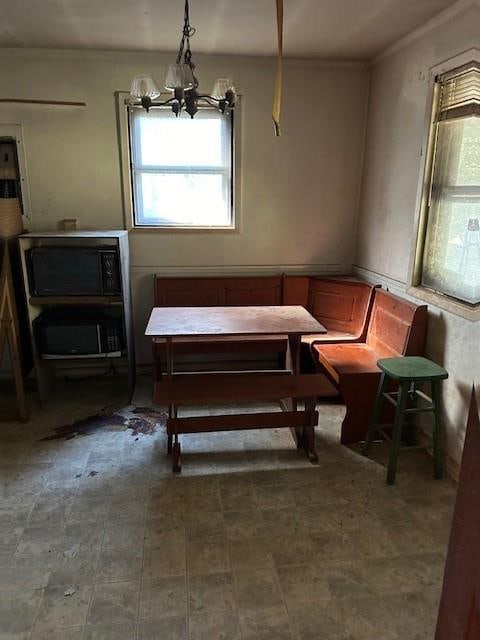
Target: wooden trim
10,332
240,421
53,103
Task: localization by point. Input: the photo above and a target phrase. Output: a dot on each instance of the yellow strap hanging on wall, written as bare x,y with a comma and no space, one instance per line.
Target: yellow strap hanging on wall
277,95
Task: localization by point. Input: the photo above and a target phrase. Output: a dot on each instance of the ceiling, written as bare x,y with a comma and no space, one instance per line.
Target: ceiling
349,29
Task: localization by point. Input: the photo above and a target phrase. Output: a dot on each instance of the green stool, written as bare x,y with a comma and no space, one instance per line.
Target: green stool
408,371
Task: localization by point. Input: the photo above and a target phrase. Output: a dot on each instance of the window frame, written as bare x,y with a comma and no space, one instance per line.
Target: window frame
123,104
416,288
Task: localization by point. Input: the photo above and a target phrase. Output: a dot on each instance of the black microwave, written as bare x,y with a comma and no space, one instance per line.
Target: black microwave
73,271
76,332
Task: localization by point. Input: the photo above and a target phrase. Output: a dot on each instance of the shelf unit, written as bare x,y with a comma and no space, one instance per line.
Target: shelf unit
46,370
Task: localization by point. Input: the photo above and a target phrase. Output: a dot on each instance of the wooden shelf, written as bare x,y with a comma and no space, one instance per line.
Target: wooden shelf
82,235
45,370
79,362
80,301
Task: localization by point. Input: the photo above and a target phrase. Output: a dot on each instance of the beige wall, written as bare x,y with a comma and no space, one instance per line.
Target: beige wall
299,192
399,96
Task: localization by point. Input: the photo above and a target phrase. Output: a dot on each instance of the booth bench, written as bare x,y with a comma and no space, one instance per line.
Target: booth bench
396,328
364,323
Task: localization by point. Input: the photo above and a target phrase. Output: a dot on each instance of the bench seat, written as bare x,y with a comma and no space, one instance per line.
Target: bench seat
396,327
348,359
331,336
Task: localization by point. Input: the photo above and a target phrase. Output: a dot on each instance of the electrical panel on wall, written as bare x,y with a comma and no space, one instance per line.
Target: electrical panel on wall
13,170
11,212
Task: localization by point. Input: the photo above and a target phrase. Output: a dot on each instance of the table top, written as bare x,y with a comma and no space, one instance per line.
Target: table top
173,322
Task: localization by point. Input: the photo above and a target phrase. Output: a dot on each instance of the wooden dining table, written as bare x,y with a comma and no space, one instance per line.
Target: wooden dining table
171,324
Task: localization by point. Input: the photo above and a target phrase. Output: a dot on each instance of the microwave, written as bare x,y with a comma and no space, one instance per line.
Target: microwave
76,332
73,271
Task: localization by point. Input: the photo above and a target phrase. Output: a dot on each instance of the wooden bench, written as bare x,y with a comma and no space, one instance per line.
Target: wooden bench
212,292
342,305
209,388
396,327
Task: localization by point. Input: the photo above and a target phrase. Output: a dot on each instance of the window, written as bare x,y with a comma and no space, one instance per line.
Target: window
181,168
450,262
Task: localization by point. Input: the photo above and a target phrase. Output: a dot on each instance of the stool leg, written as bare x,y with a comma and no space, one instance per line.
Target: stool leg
372,427
437,429
397,431
409,428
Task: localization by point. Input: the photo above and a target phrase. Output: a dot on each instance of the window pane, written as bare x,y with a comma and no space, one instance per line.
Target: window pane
164,140
183,199
452,249
182,168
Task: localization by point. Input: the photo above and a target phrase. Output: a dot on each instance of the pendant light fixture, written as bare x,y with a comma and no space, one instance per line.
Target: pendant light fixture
183,83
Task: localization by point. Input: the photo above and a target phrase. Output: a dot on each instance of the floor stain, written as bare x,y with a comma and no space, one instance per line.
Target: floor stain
140,420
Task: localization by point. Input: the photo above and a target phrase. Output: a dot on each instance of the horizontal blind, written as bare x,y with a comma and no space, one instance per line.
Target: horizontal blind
460,93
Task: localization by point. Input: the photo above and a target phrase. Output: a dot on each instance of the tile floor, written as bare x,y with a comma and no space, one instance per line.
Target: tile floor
251,542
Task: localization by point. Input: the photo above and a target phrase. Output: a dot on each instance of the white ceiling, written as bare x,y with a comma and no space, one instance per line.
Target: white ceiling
313,28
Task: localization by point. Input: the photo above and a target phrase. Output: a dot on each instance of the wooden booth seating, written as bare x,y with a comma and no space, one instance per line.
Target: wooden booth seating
341,305
396,327
213,292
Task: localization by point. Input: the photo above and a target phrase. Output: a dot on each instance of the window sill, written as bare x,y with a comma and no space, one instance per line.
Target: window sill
145,229
446,303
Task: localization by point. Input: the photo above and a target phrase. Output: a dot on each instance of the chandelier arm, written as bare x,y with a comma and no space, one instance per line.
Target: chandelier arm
210,99
164,103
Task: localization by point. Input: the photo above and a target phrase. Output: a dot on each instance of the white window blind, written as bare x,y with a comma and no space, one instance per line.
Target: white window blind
460,93
182,168
451,260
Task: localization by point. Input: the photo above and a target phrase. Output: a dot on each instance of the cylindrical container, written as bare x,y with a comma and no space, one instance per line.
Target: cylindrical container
10,217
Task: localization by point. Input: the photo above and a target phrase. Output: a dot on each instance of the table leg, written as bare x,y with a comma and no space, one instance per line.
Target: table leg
290,404
309,431
176,464
172,410
294,344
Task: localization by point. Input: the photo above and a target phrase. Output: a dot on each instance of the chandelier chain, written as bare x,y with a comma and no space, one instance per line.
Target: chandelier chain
187,33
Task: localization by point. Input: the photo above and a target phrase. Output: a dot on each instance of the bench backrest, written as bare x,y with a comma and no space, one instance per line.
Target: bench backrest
215,292
397,327
337,303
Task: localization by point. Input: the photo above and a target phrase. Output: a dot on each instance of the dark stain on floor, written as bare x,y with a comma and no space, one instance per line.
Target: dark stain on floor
140,420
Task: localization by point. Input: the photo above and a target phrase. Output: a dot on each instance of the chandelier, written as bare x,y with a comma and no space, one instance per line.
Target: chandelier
183,83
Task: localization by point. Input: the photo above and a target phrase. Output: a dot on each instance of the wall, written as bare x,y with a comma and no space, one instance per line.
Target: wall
398,103
299,192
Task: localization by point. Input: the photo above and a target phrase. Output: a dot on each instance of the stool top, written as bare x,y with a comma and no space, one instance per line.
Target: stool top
412,368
